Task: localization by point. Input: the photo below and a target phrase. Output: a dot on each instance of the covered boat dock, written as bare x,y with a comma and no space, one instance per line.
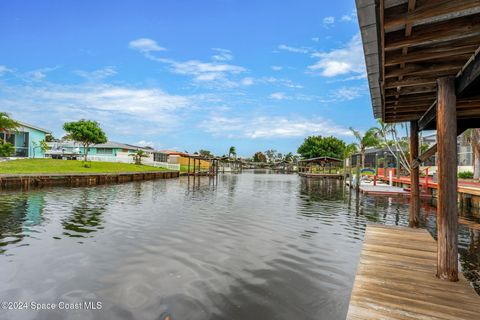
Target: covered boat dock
423,68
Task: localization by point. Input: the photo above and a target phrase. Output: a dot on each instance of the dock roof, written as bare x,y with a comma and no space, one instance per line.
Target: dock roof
408,45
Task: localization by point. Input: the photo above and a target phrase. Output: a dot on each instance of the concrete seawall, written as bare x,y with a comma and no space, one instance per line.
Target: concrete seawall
26,181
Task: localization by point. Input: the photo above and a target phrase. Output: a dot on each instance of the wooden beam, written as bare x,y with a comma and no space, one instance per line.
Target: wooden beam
409,81
429,116
425,156
395,18
469,76
447,217
458,28
414,177
427,70
410,91
392,59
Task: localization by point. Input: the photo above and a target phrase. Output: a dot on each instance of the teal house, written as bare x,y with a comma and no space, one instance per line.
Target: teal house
26,140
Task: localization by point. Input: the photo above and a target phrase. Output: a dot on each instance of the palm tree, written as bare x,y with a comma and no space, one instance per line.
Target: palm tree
349,150
473,137
138,155
369,139
396,146
232,152
7,125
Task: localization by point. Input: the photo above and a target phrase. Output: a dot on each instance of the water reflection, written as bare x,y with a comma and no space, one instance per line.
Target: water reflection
241,246
19,214
86,214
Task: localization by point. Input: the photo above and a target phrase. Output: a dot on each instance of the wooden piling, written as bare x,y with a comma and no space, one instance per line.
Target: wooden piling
414,177
447,216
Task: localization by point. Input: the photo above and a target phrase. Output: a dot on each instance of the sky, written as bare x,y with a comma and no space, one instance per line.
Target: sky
187,75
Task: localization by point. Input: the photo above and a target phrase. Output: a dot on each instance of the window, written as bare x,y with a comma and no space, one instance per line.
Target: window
108,151
160,157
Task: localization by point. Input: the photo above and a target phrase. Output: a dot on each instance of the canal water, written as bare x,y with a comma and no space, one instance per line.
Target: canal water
248,246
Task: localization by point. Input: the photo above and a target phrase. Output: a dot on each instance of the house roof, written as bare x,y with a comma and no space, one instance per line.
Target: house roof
24,124
108,145
175,153
322,159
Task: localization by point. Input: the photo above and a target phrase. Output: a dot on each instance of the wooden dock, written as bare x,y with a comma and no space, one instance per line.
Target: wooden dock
396,280
321,175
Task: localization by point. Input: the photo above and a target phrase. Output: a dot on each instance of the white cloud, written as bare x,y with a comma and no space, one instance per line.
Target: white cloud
315,39
281,82
143,143
97,74
342,61
222,54
349,17
328,21
293,49
278,96
145,45
247,81
145,110
350,93
277,68
36,75
271,127
4,70
216,73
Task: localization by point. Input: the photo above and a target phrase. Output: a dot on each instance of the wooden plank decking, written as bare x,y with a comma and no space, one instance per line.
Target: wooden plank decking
396,280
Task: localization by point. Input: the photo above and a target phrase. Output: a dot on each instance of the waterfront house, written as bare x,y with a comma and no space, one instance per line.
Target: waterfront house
26,140
109,151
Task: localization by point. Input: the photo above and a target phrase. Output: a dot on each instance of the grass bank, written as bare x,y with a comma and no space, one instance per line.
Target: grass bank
26,166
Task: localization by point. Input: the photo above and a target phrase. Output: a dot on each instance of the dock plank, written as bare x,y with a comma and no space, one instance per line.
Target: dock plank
396,280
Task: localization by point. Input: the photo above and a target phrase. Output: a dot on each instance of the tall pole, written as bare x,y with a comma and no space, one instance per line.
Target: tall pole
414,177
447,216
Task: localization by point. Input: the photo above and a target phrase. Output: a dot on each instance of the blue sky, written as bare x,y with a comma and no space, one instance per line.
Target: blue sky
187,75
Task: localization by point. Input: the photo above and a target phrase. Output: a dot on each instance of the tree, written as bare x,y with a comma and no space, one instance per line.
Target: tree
270,154
86,132
205,153
398,147
49,137
232,152
259,157
318,146
350,149
288,157
369,139
7,125
138,155
473,137
42,145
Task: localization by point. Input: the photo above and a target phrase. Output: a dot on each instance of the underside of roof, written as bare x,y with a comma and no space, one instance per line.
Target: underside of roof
410,44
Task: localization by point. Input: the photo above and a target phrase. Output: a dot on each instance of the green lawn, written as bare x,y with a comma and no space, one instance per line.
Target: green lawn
68,166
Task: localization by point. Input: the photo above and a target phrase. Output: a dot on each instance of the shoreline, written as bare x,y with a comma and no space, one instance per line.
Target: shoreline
27,180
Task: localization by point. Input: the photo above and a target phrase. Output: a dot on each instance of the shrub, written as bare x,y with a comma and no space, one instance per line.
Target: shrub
465,175
6,149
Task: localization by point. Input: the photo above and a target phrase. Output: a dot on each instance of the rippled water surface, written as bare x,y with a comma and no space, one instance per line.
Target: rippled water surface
247,246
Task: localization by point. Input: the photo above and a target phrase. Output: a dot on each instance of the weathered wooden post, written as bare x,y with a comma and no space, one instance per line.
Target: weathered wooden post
194,167
447,217
350,172
357,180
414,177
188,166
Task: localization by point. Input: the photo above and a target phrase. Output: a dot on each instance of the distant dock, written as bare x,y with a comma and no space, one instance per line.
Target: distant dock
396,280
321,175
